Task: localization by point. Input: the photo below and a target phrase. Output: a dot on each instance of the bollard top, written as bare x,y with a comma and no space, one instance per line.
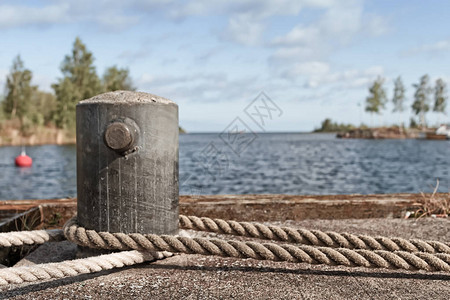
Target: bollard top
126,97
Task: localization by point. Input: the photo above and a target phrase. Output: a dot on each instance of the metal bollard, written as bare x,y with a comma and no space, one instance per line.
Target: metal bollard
127,163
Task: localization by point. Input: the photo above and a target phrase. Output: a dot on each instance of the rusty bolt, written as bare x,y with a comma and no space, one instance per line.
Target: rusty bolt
119,136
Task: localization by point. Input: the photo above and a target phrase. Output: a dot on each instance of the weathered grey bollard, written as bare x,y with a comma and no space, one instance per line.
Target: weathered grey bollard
127,163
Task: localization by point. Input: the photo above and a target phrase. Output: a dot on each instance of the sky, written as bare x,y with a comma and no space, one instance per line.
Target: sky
313,59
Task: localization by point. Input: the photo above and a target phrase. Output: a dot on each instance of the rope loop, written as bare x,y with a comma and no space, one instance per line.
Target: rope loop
397,259
298,246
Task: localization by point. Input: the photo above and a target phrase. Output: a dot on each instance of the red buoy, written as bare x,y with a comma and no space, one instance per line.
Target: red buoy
23,160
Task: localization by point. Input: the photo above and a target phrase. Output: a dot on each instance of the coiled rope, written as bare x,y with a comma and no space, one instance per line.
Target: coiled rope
76,267
311,237
260,251
34,237
261,231
313,247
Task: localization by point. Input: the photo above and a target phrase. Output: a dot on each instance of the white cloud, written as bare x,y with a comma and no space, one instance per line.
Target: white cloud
289,55
252,8
340,22
201,87
317,74
131,56
376,25
345,79
114,21
313,68
300,35
440,46
172,80
108,14
16,16
247,19
244,30
117,14
209,54
338,26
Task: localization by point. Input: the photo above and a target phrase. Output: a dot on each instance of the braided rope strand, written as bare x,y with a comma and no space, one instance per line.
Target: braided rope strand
311,237
258,230
17,275
148,247
260,251
34,237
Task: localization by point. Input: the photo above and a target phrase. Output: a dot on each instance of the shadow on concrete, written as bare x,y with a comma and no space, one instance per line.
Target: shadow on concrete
337,273
56,283
374,274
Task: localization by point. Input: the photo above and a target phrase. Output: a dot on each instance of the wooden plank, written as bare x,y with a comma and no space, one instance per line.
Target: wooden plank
254,207
295,207
23,205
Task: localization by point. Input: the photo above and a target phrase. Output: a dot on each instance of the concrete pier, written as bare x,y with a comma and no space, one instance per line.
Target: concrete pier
205,277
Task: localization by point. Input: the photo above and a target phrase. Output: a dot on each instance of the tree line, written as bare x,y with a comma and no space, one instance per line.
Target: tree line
25,102
377,99
328,125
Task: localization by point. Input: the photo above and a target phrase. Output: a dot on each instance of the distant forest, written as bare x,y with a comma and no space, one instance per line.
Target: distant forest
426,98
25,106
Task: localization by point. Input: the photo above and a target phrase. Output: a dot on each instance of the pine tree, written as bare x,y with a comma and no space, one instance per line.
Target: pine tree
18,91
67,97
42,108
399,95
2,112
440,96
80,82
377,98
117,79
421,105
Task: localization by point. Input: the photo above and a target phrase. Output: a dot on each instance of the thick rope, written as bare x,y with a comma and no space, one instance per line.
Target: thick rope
311,237
385,252
258,230
76,267
34,237
260,251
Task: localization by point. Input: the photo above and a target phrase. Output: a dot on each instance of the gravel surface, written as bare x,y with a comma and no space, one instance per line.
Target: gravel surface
204,277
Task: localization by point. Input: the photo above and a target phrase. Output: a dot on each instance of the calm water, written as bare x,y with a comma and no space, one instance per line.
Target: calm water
266,163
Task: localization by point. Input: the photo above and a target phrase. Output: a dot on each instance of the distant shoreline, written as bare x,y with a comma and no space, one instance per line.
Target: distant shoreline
40,135
33,140
380,133
54,136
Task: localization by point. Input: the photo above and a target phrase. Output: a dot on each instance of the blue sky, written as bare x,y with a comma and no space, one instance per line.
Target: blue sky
314,59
